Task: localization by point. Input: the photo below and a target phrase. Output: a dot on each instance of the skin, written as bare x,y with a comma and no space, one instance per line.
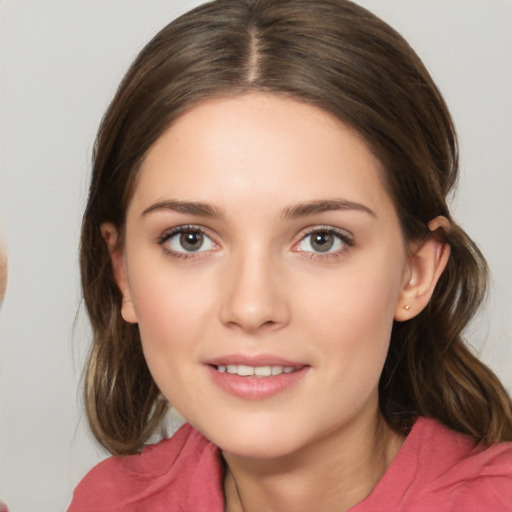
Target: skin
258,285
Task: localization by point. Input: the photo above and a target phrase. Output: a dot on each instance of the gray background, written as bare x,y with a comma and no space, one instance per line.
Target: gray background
60,64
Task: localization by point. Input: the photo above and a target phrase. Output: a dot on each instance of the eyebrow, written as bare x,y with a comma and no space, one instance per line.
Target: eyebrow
187,207
314,207
291,212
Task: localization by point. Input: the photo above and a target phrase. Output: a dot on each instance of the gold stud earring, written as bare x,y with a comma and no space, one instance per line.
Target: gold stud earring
407,307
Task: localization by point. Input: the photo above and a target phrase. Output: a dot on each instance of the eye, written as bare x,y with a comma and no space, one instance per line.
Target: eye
186,239
324,241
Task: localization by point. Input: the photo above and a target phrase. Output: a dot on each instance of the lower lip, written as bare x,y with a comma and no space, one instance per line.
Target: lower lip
256,388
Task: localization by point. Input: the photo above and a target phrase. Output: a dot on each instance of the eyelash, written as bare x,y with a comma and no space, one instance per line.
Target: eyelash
342,236
168,235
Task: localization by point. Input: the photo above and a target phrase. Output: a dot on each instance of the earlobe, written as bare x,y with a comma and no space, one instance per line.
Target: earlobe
110,235
427,263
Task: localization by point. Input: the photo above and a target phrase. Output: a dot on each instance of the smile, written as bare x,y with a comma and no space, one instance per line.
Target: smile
257,379
258,371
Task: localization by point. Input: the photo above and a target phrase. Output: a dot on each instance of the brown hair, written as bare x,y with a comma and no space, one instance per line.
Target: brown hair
341,58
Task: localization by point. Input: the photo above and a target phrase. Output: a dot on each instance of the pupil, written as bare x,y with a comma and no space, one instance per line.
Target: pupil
191,240
322,242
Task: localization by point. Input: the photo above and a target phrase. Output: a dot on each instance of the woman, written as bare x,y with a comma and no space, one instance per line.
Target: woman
268,248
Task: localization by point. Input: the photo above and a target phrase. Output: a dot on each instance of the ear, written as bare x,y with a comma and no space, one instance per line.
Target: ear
427,263
110,235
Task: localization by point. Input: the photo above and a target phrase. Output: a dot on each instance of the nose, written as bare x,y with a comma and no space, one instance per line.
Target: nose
254,294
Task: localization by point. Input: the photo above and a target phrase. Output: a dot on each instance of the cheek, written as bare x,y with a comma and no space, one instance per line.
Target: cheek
170,313
169,329
354,317
174,311
361,296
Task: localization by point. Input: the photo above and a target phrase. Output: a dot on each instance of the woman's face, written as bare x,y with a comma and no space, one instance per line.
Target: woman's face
260,239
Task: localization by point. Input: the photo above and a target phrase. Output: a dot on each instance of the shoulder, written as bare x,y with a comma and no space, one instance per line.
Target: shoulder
164,473
443,470
452,469
458,452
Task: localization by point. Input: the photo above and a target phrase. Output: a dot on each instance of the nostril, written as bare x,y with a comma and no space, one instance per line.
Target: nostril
252,297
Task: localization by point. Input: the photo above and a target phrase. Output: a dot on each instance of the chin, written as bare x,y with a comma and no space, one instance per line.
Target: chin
257,438
260,448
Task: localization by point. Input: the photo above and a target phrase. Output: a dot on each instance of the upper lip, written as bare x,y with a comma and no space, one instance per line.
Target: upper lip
253,360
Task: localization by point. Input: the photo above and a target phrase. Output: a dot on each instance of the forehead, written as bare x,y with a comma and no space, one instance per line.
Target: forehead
259,146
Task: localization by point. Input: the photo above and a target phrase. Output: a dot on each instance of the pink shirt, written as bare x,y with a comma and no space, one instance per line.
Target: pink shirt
435,470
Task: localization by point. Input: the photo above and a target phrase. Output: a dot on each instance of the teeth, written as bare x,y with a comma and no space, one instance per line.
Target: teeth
259,371
245,371
263,371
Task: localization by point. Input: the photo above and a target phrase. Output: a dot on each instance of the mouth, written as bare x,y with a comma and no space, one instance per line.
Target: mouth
244,370
256,378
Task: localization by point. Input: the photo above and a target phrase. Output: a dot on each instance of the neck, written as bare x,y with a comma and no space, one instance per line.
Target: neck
333,473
